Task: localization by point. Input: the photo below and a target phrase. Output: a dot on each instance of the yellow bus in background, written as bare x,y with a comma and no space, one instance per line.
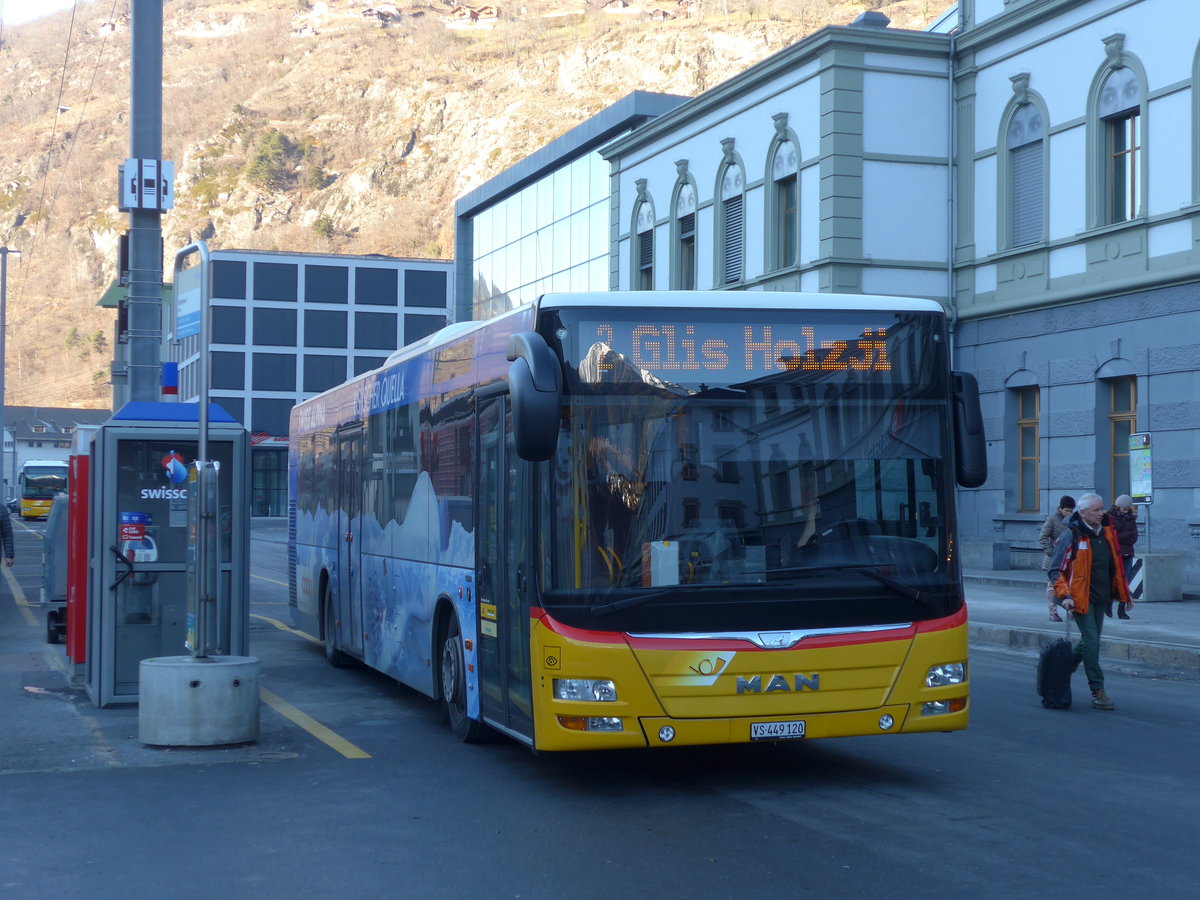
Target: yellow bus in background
38,482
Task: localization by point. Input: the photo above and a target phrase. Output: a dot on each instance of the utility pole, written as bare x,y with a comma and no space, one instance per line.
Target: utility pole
145,225
4,251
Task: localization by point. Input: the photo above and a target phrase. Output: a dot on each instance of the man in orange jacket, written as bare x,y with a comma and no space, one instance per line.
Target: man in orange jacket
1087,575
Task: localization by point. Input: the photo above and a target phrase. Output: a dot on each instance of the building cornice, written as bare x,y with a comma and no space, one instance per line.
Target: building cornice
803,52
1023,17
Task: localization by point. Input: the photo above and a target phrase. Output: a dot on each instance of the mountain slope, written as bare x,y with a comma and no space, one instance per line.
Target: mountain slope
307,126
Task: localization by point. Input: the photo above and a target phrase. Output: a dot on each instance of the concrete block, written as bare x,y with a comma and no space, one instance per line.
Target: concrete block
1162,577
184,701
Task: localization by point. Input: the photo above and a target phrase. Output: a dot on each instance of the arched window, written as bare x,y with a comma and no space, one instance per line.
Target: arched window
731,224
1196,126
1120,109
783,198
1117,130
684,269
1026,172
643,240
786,187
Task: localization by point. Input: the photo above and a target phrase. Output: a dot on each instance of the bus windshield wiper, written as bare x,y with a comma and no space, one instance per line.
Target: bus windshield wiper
609,606
868,569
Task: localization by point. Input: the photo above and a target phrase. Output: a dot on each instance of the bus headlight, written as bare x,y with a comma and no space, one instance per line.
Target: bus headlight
591,689
942,707
591,723
947,673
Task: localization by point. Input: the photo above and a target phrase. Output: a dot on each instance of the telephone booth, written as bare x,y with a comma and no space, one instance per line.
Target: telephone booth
141,539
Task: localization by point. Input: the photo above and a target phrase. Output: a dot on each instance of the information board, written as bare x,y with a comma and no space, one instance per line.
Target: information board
187,302
1140,468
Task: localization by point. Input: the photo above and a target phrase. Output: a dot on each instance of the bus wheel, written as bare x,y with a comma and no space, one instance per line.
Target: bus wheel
453,676
51,627
333,655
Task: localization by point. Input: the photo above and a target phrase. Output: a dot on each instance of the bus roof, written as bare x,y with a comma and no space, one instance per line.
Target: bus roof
45,462
747,299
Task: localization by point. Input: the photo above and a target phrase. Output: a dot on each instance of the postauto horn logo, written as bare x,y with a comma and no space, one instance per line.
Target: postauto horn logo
176,472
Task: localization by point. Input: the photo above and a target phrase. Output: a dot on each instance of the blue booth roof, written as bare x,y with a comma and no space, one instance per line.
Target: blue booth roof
154,411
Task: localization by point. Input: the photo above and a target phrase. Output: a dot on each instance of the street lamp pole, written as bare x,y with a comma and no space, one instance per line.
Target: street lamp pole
4,251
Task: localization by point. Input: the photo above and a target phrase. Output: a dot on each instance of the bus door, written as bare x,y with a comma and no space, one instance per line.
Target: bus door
503,554
348,596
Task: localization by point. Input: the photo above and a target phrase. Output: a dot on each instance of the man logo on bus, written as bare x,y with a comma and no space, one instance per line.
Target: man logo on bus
174,467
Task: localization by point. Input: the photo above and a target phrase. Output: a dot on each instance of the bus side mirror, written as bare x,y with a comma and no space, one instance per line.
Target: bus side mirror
971,456
535,391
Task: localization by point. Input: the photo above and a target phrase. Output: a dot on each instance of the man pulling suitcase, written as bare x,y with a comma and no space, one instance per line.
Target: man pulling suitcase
1088,577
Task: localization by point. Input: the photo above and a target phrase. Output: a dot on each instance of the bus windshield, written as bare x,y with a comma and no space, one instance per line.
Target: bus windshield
43,482
750,469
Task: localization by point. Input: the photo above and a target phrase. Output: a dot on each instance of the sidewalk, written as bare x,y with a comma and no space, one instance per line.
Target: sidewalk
1008,609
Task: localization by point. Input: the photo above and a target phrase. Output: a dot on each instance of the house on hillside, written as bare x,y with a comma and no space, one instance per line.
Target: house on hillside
378,14
473,17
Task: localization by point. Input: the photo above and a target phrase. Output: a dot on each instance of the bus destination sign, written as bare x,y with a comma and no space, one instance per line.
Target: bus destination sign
739,350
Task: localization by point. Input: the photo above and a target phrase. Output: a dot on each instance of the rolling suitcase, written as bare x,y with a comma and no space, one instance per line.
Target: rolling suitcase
1054,672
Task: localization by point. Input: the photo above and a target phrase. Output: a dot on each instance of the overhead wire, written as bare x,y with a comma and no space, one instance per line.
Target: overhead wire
79,376
82,112
62,82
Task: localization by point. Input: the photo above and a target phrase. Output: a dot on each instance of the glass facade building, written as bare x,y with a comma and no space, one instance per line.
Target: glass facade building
286,326
552,235
545,224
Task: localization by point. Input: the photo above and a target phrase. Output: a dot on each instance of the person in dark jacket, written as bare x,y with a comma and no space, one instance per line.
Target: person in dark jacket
1123,517
1052,530
1087,575
6,535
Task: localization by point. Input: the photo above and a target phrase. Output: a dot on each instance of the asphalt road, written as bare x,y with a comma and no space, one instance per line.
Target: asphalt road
1025,803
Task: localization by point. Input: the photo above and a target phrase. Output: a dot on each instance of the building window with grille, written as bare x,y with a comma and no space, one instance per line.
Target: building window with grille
1026,175
685,238
1122,422
732,225
1120,113
1028,449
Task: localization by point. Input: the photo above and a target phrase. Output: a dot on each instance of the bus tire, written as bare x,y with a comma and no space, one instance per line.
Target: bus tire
333,655
452,675
51,627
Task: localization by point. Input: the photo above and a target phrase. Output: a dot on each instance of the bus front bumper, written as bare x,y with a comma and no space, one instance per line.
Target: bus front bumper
664,731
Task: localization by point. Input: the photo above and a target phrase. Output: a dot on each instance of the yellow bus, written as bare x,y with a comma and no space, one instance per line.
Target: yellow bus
650,519
38,482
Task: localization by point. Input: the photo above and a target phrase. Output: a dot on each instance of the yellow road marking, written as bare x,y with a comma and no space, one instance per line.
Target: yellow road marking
19,597
311,725
269,580
283,627
37,534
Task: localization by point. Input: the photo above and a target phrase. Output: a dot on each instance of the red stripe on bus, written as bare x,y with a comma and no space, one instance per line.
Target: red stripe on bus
844,639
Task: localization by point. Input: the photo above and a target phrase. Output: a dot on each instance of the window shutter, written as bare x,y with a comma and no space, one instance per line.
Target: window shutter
734,239
1026,173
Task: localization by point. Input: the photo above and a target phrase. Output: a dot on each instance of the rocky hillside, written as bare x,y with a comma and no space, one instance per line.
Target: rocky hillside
316,125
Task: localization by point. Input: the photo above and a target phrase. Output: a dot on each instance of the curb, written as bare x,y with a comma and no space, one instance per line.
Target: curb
1191,593
1173,657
